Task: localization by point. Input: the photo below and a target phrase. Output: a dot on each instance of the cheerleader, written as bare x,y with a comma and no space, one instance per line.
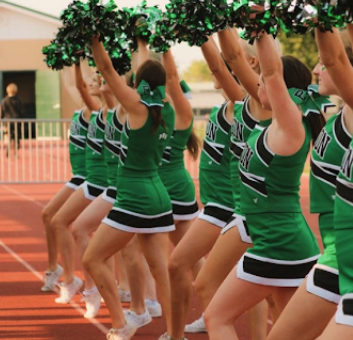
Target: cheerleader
142,204
315,302
77,145
337,64
215,193
270,168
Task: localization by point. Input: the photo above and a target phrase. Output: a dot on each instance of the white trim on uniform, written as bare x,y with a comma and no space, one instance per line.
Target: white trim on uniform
266,281
340,317
86,192
285,262
107,198
186,217
148,217
211,219
318,291
238,222
126,228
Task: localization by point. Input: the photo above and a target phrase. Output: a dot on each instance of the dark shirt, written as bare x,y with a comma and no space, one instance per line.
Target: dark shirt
11,107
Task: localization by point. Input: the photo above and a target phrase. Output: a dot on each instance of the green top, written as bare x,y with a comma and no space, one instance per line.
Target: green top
173,155
215,151
242,126
326,158
78,133
270,182
344,193
141,149
95,137
113,130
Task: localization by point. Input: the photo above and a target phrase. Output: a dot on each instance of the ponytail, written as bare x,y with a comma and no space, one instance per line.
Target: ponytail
157,118
193,145
316,123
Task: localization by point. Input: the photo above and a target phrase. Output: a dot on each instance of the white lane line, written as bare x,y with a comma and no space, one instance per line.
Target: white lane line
95,322
28,198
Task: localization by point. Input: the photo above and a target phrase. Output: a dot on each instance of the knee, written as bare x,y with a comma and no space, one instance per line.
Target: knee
88,262
47,216
199,286
77,232
176,266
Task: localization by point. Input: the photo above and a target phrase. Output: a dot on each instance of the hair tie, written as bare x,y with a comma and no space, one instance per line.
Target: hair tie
310,100
151,97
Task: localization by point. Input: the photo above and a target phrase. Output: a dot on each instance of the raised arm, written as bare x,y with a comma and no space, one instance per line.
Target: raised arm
181,104
286,115
139,56
82,88
335,59
126,96
219,69
69,83
235,58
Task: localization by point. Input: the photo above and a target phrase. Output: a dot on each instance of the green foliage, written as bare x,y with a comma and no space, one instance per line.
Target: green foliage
197,72
302,47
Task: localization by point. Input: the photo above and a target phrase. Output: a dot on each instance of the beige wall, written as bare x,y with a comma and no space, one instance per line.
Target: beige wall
26,55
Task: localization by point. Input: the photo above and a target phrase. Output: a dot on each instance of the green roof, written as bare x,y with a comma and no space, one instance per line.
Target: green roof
28,9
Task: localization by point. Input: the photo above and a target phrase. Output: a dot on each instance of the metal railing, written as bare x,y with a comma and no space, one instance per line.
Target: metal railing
37,150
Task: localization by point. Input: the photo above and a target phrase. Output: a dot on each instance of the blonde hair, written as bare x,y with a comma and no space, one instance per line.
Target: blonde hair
11,89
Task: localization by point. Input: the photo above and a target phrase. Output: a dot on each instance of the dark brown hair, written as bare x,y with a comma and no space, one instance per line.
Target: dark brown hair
296,74
193,145
154,74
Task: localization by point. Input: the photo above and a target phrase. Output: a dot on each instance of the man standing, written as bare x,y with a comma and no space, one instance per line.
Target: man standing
11,107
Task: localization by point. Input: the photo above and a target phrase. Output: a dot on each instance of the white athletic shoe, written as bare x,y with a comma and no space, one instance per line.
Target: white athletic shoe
68,291
138,320
198,326
165,336
125,296
93,303
154,308
125,333
51,278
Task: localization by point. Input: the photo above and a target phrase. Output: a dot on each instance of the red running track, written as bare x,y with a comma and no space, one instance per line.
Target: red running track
26,312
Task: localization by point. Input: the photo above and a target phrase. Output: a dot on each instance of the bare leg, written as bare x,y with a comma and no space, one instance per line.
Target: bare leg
121,272
175,236
183,258
133,259
337,331
156,250
273,309
104,244
232,299
61,222
257,317
47,214
225,254
85,225
304,318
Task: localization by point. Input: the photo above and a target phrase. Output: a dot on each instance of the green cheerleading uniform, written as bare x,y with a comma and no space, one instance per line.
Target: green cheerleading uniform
214,176
143,204
96,180
77,144
176,178
113,130
284,248
242,126
343,222
326,158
